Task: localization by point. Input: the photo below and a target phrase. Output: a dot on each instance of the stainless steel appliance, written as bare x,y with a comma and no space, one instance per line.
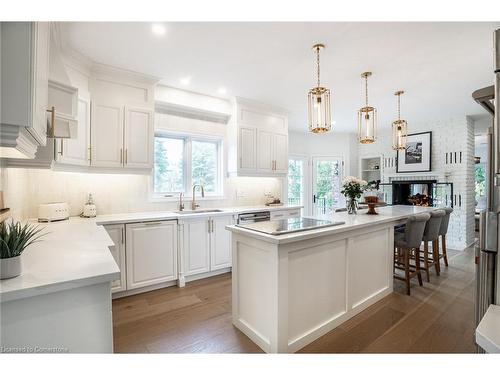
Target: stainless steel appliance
253,217
296,224
487,259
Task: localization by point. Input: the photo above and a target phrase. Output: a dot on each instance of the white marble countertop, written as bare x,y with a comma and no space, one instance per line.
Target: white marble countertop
73,253
352,222
488,330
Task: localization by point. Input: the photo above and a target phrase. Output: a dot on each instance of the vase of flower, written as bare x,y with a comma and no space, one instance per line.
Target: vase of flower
352,188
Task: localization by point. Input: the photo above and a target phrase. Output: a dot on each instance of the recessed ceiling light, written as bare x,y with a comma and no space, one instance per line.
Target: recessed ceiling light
158,29
222,91
185,81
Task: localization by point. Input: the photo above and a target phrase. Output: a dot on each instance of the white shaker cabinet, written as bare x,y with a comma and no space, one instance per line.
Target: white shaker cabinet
196,246
106,135
24,86
265,153
117,234
151,251
122,137
138,138
206,244
280,153
257,140
220,242
77,151
247,149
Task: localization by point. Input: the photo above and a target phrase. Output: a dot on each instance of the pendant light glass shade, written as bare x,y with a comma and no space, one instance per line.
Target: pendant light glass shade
399,128
367,118
318,103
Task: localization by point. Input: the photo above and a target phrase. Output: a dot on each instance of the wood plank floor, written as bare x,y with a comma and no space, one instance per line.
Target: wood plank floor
436,318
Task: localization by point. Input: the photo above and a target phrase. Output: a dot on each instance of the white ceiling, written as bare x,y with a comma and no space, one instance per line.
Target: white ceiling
437,64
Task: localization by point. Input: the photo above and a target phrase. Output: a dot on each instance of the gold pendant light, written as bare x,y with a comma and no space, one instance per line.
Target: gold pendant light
399,127
367,118
318,103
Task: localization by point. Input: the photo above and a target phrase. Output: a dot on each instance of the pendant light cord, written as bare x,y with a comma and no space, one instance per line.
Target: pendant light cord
366,90
317,62
399,106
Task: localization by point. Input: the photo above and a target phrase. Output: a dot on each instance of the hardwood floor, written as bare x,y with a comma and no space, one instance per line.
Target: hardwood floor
436,318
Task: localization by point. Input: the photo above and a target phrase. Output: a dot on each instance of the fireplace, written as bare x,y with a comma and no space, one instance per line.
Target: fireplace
413,193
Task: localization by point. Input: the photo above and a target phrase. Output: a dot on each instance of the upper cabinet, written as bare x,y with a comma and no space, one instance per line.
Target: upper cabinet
258,140
24,87
122,136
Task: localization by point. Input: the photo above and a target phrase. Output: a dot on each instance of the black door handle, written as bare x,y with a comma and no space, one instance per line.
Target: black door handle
314,198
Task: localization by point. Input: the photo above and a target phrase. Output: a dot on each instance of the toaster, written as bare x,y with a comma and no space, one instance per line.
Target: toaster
48,212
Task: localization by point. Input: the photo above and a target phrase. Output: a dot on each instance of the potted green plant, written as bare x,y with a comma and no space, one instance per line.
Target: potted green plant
352,188
14,239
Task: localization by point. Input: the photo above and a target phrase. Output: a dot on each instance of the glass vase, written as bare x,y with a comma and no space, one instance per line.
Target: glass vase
352,206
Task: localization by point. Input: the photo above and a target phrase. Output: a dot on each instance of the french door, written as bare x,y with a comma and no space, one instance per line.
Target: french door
326,184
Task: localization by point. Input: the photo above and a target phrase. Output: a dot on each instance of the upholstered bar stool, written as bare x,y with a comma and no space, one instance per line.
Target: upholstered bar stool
443,229
405,245
431,234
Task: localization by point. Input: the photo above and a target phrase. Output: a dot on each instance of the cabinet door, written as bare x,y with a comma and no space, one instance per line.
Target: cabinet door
107,135
151,250
116,232
41,33
77,151
247,149
196,247
281,153
138,138
265,152
220,242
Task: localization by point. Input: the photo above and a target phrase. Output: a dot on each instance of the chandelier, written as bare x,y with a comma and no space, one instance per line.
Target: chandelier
399,128
318,103
367,117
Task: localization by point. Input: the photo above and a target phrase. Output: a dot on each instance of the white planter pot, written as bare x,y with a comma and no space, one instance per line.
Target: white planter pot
10,267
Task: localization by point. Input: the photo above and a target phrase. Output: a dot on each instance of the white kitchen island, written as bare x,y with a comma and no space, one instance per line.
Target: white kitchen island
290,289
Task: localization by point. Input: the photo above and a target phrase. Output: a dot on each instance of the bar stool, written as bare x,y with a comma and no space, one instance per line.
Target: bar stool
443,229
431,234
407,243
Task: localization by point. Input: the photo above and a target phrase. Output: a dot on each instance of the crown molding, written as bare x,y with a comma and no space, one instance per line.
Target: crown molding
191,112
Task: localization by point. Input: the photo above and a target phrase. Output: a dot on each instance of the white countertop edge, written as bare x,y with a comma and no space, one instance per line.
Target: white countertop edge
488,330
58,286
135,217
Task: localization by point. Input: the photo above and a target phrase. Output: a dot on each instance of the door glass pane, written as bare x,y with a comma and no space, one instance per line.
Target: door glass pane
169,165
295,182
205,165
327,184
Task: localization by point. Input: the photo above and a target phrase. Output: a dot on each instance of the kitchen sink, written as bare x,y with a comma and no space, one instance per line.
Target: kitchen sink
191,212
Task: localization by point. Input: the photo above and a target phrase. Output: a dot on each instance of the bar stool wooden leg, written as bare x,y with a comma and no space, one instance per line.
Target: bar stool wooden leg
443,245
407,269
417,266
426,260
435,256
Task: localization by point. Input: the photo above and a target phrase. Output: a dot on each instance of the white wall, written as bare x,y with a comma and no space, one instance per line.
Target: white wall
329,144
452,135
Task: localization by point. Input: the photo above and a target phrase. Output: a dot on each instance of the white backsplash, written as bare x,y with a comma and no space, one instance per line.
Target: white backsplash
25,189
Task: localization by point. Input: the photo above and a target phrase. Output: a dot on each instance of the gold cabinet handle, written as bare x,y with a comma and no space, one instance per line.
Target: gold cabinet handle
52,121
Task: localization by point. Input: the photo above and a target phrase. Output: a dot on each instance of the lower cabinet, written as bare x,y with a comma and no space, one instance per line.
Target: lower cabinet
151,251
206,244
117,234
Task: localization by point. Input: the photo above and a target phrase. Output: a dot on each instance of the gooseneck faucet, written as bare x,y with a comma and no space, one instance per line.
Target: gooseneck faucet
194,205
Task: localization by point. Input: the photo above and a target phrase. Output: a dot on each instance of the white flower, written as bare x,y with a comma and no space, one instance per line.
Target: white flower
354,180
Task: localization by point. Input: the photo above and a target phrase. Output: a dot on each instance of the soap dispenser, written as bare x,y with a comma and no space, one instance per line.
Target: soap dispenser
89,209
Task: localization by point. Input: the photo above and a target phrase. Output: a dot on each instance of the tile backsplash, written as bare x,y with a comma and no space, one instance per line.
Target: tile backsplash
25,189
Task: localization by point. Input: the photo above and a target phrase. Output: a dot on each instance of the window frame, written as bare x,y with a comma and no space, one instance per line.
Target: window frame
187,165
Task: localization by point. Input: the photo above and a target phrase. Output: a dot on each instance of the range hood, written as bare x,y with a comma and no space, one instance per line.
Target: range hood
485,97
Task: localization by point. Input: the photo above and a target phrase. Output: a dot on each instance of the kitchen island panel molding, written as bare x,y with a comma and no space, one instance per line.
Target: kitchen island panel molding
289,290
